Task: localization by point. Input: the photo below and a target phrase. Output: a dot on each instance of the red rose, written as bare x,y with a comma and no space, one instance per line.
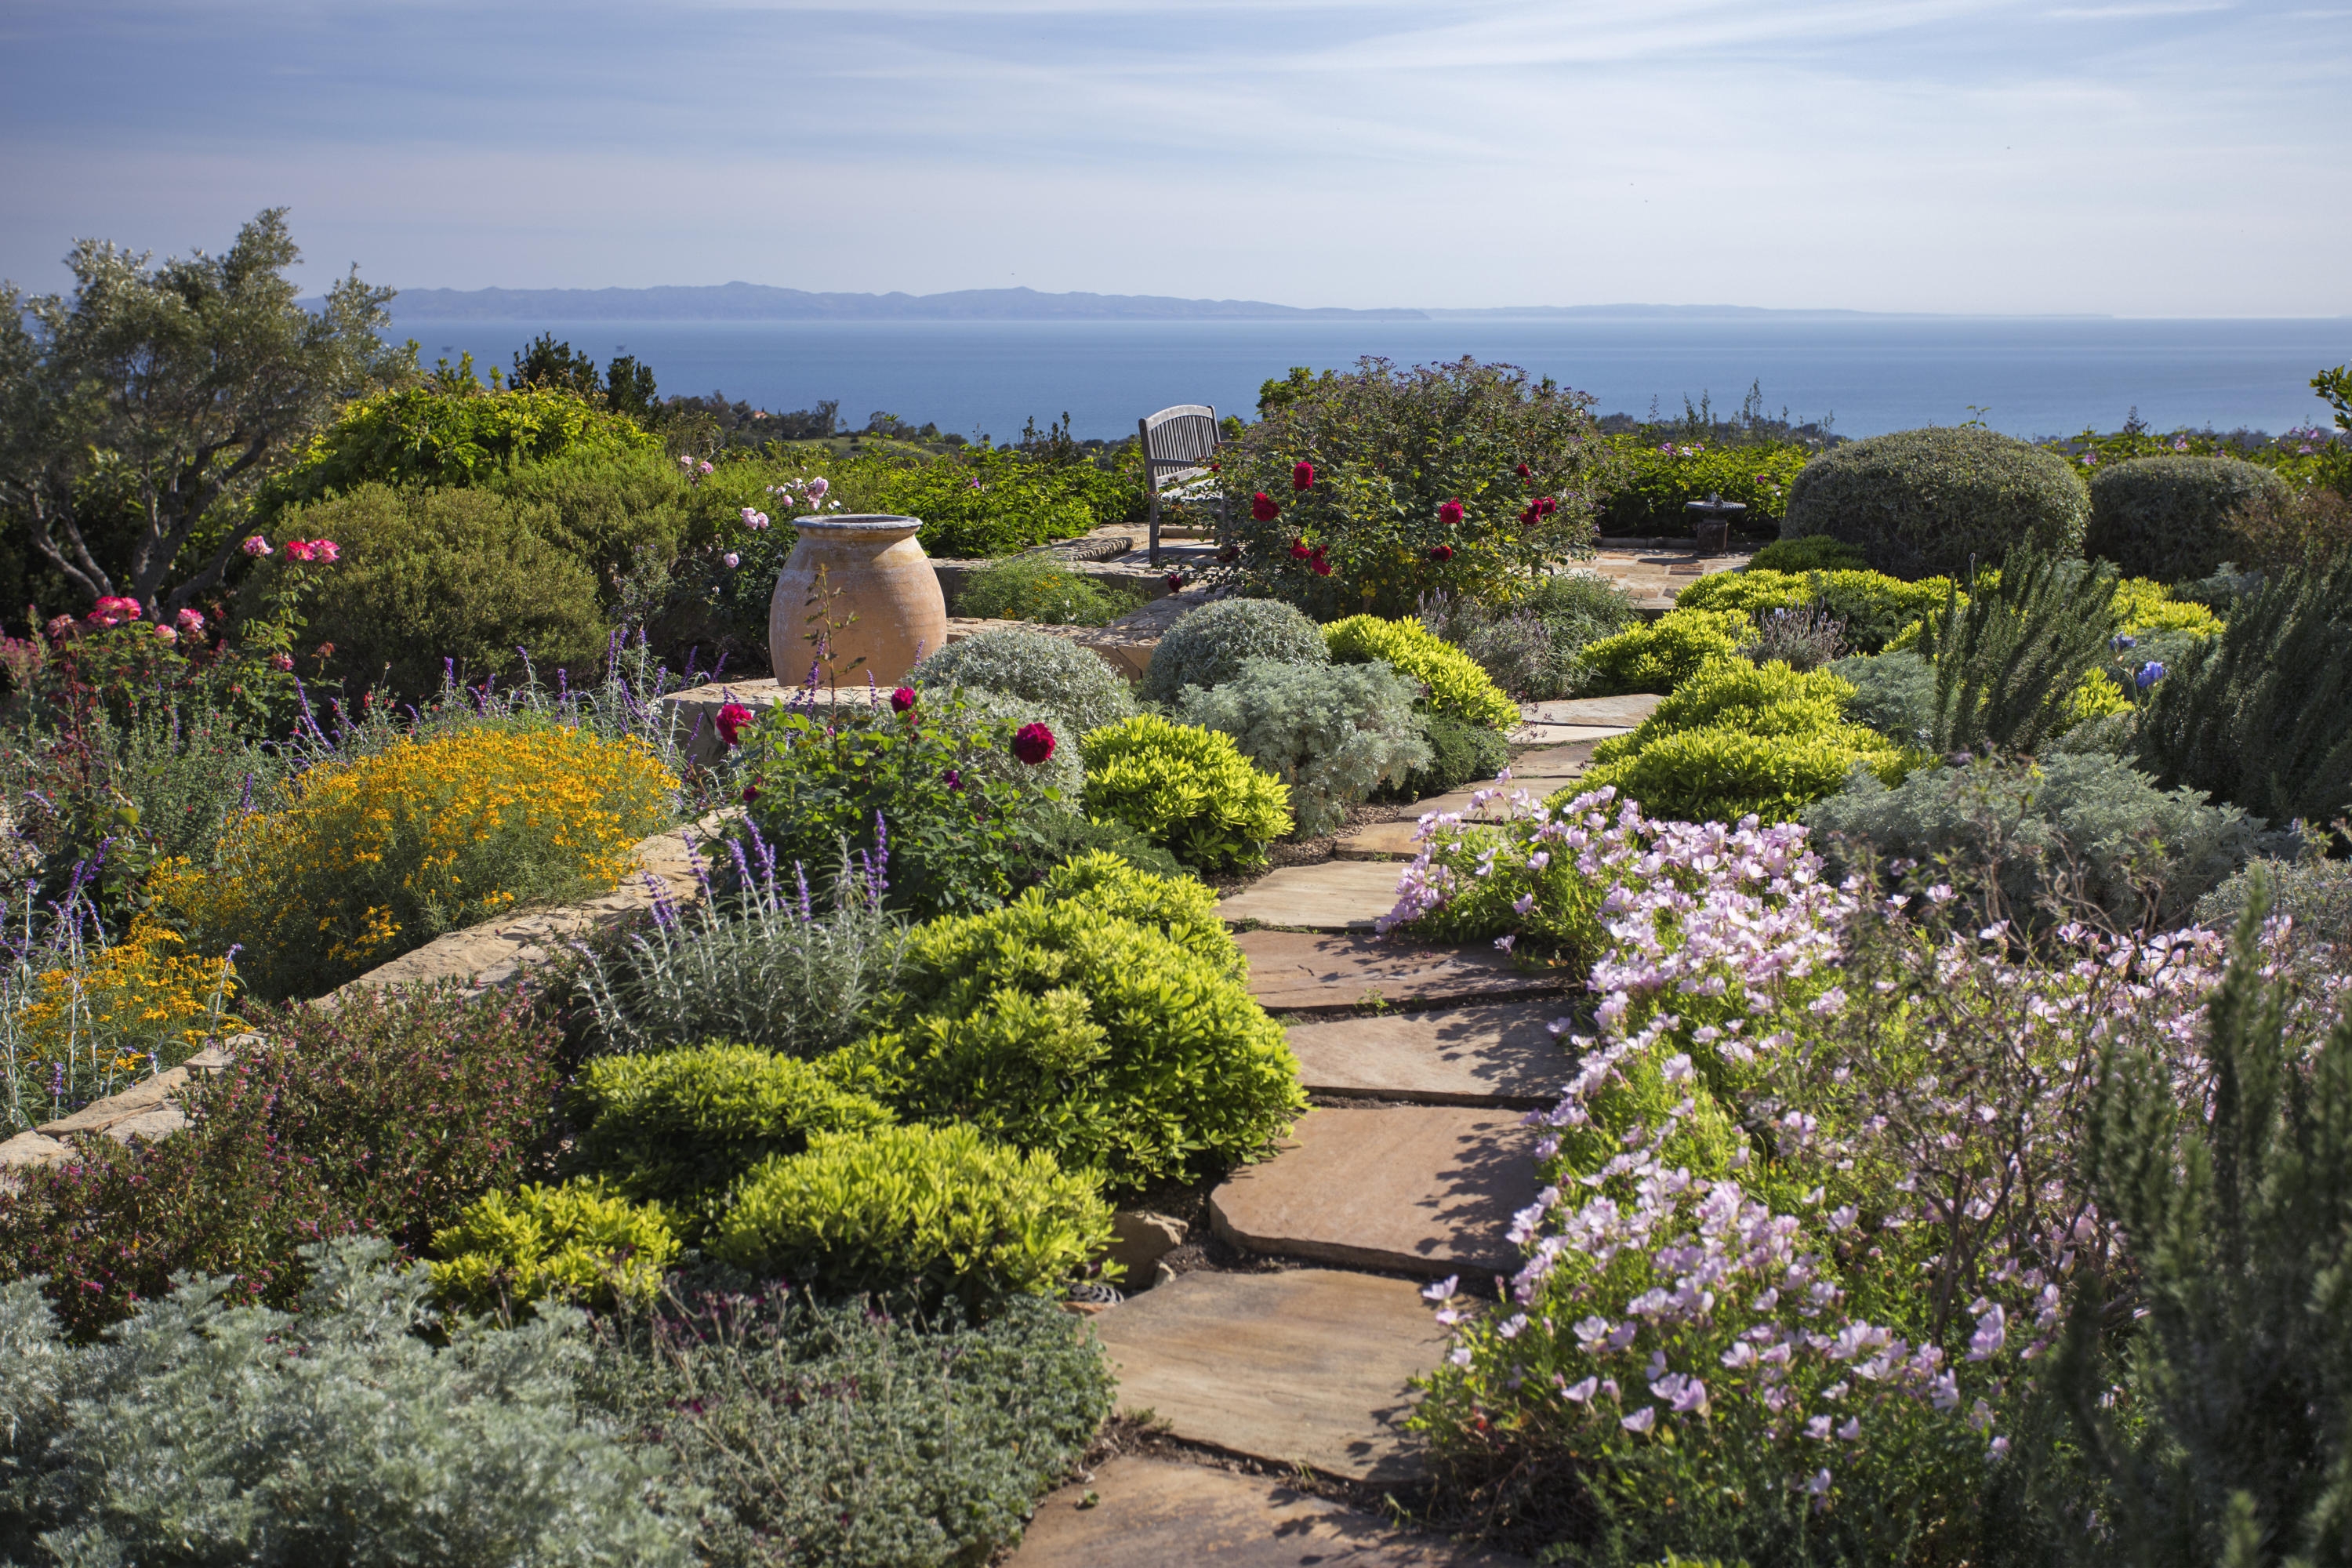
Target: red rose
730,721
1451,513
1298,551
1302,477
1175,584
1528,514
751,793
1440,553
1032,743
902,699
1524,471
1546,507
1320,567
1263,509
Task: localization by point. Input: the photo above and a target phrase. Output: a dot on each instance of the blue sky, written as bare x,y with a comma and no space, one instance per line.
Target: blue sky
2176,157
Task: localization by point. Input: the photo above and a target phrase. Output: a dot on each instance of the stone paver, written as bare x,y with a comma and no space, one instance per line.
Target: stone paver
1300,971
1338,895
1307,1366
1504,1055
1562,734
1551,763
1421,1189
1157,1513
1609,712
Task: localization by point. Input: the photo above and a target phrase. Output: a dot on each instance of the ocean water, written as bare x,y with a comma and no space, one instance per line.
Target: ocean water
2029,376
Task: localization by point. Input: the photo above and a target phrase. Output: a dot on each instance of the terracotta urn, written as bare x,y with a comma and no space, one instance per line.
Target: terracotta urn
865,584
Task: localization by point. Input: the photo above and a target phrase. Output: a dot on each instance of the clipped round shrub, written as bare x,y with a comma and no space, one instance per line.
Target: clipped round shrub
936,1212
1076,687
1722,776
1181,909
1333,734
1733,694
1926,503
1209,646
577,1243
1816,553
2169,517
1658,655
1456,685
381,853
679,1127
1186,788
1064,1023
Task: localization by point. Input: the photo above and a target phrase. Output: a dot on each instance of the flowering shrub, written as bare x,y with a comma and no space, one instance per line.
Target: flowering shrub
1334,734
1186,788
573,1243
1926,502
1209,646
1502,472
1658,655
1809,1217
1100,1016
1456,685
1657,478
926,1211
363,860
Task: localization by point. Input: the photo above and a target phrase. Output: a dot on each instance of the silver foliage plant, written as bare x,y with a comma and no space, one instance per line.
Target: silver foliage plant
202,1433
1334,733
1802,637
1077,690
759,964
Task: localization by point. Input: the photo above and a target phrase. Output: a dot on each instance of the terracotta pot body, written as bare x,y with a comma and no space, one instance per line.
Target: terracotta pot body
877,579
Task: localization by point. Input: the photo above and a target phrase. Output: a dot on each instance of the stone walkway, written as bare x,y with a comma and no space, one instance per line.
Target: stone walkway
1653,571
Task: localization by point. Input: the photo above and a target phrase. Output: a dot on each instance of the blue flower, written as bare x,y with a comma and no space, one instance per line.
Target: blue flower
2150,674
2123,641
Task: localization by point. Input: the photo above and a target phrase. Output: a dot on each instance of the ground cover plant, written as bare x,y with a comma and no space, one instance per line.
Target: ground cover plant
1362,491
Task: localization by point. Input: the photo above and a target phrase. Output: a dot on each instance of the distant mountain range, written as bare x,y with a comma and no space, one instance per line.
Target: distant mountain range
759,302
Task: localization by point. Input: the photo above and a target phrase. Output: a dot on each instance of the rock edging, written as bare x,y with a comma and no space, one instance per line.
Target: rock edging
149,1108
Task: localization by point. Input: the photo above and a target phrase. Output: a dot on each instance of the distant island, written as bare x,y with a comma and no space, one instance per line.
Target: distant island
762,302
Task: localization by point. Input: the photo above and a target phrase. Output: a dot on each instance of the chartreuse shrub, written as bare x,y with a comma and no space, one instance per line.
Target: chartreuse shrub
1097,1018
2262,714
1456,685
389,1115
1931,503
1869,608
1333,734
2168,518
842,1437
1722,774
1659,655
1731,693
1210,646
1080,691
679,1127
208,1431
934,1213
1186,788
361,860
577,1243
2049,837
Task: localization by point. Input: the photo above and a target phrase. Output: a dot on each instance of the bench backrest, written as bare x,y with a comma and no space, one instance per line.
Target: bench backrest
1177,443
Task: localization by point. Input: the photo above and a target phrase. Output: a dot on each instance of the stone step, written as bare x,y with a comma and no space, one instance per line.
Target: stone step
1562,734
1503,1055
1135,1512
1541,773
1336,895
1300,971
1425,1190
1621,712
1310,1367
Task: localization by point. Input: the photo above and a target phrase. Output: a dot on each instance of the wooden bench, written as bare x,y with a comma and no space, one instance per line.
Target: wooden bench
1178,446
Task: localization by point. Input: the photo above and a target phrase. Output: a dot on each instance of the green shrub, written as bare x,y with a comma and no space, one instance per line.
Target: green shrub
1088,1018
679,1127
1068,835
1334,734
208,1433
1078,689
1459,753
1658,655
1869,608
1186,788
1456,685
2009,663
2261,715
989,503
1815,552
1723,775
449,435
2168,518
2229,1426
432,574
1577,608
2070,827
1921,503
1733,694
1209,646
934,1212
388,1115
2313,893
840,1437
1394,453
1894,693
1042,589
1528,643
576,1243
1657,478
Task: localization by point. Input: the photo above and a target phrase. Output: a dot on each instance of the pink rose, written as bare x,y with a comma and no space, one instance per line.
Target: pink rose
816,488
733,559
166,634
325,550
281,662
191,622
114,611
297,550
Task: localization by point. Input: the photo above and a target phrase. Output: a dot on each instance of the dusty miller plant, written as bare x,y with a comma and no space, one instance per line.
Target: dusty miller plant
1334,733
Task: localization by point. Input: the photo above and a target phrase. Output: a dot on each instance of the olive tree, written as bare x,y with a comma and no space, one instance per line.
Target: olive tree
138,414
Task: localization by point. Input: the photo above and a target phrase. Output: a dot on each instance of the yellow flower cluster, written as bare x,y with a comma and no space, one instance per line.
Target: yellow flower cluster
369,859
115,1012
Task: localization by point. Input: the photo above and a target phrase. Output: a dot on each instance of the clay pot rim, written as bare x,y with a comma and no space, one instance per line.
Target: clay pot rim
857,523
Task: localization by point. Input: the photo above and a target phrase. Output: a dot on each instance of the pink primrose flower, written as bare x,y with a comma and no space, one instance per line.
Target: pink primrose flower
255,545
